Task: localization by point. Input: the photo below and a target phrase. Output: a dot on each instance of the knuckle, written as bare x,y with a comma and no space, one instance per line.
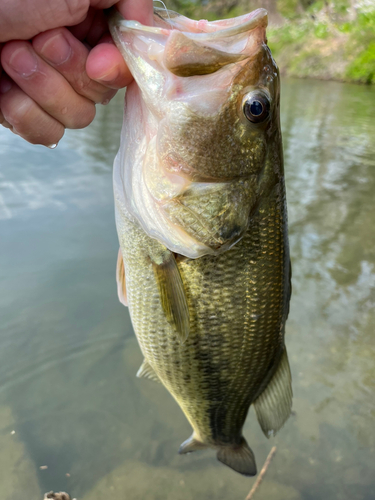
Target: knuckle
92,90
17,110
65,13
77,9
25,118
82,86
4,122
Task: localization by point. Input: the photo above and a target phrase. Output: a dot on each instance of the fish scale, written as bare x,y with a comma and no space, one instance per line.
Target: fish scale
240,343
202,223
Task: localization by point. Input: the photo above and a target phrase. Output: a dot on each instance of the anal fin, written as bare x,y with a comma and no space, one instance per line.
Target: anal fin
172,292
146,371
191,444
120,278
274,404
239,458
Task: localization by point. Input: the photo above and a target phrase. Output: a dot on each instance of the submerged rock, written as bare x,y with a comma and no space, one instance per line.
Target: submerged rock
57,496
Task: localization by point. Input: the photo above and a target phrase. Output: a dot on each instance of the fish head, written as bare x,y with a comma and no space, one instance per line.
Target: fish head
204,109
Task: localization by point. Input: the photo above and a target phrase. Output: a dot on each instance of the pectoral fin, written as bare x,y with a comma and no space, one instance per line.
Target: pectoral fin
274,405
146,371
120,278
172,293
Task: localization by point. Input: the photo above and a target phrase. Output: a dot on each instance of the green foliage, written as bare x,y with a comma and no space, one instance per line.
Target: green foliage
345,27
321,30
184,7
323,45
362,69
366,23
339,6
316,6
289,8
362,40
287,34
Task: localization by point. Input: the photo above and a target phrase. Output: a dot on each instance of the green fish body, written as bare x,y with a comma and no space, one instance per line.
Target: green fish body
201,217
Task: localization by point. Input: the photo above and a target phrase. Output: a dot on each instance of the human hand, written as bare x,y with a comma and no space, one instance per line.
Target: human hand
53,81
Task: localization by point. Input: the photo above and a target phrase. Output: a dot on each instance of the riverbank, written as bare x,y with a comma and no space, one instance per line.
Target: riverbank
317,46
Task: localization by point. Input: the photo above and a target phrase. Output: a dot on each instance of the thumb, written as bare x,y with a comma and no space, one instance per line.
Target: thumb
106,65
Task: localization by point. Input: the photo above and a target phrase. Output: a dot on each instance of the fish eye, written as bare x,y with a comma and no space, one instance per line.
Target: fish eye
256,108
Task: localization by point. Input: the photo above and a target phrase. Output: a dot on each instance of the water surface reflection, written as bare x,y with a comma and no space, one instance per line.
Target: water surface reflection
69,358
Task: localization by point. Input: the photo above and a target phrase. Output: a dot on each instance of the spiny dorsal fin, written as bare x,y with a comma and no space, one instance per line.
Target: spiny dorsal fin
239,458
146,371
184,57
172,293
191,444
120,278
274,405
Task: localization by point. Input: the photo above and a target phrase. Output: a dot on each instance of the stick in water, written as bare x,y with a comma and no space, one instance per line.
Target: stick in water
262,473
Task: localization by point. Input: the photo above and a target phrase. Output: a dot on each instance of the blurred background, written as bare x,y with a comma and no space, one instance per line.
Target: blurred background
74,417
329,40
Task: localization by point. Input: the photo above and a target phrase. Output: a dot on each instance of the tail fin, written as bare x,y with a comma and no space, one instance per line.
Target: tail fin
239,458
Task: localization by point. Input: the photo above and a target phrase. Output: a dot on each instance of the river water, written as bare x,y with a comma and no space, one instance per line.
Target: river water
74,417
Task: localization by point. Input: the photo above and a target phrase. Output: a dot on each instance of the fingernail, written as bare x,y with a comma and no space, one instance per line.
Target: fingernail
24,62
56,50
5,85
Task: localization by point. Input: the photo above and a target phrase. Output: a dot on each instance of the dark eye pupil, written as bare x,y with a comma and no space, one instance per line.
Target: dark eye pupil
256,108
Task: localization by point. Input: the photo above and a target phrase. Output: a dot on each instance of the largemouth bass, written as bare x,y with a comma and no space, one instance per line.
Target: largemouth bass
201,217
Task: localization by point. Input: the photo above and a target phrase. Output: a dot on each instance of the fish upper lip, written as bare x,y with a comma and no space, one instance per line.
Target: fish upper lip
255,19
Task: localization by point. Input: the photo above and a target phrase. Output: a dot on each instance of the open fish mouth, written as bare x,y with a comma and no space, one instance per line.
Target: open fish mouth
202,30
196,47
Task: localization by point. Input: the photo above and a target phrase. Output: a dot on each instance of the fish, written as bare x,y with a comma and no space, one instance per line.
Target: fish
201,216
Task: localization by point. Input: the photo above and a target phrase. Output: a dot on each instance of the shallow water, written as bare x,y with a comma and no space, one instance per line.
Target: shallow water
69,398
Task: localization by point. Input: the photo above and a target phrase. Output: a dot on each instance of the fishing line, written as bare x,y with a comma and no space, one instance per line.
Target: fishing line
166,10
